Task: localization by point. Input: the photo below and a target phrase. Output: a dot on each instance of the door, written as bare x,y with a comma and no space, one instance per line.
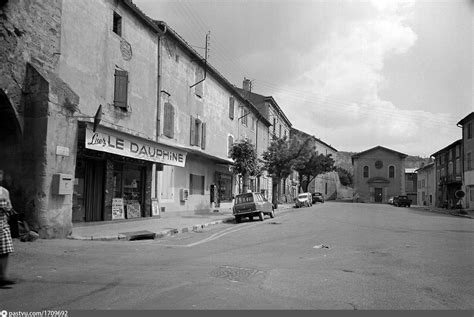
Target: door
378,195
94,190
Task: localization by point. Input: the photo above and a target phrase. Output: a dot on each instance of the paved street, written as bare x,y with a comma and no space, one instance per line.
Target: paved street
330,256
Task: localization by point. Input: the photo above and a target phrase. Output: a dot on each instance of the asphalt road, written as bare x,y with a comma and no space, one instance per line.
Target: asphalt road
329,256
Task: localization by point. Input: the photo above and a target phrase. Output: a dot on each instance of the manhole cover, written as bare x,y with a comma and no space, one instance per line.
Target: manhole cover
233,273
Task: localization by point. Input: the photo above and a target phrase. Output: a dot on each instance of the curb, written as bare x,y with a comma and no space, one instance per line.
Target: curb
158,235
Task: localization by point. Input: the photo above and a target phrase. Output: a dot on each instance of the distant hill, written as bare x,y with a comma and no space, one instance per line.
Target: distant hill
343,159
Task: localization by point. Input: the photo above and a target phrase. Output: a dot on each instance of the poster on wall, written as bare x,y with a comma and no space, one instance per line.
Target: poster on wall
117,209
155,207
133,210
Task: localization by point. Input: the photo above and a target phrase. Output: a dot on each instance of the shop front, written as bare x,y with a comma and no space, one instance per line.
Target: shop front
114,174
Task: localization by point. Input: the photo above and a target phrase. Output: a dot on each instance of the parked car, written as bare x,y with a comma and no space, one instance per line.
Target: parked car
250,205
401,200
390,201
317,197
304,199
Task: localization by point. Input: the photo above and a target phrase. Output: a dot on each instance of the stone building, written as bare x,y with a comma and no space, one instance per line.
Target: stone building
449,169
379,173
426,185
287,189
467,124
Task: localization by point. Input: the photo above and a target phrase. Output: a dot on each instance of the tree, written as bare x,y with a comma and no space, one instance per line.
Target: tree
279,158
344,176
245,159
310,167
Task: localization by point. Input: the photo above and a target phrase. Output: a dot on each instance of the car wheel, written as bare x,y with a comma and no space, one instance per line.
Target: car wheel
261,216
272,214
237,219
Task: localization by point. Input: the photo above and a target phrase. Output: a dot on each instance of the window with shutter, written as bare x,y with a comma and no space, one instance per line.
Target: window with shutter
168,126
231,107
193,131
230,143
203,136
120,88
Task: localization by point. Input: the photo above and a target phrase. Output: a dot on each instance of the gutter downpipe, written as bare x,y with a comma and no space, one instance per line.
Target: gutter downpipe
160,33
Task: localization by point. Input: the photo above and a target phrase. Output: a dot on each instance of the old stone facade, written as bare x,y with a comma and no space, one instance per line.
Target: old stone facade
379,173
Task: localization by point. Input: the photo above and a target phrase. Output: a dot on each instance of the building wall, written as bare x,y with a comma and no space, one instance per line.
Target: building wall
468,145
90,53
426,193
364,190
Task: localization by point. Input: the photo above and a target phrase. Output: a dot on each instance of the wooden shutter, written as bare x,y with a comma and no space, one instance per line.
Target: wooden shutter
168,126
231,107
121,87
230,143
193,131
203,136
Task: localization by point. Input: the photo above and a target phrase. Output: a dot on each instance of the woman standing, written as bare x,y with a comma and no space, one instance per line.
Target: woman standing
6,244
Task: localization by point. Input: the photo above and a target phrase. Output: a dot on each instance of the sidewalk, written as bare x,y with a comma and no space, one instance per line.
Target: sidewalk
453,212
152,227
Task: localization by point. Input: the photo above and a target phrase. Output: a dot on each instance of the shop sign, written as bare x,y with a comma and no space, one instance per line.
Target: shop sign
126,145
117,209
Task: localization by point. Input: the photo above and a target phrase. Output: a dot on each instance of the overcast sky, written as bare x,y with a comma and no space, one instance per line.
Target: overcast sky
355,74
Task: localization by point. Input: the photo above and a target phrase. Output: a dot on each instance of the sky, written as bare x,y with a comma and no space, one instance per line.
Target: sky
356,74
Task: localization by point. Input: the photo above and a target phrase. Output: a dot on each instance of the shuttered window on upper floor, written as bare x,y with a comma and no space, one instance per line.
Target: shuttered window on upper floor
168,120
198,133
230,144
121,89
231,107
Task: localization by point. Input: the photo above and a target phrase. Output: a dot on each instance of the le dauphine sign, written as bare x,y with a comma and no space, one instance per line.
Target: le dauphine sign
127,145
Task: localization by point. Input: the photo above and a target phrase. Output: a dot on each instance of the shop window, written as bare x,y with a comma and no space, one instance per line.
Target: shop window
196,184
225,187
121,89
366,171
168,117
117,24
231,107
198,133
391,172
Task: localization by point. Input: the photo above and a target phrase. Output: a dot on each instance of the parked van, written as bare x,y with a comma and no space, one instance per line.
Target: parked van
250,205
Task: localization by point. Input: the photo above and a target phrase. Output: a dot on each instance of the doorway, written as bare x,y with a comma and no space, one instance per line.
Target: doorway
378,195
94,190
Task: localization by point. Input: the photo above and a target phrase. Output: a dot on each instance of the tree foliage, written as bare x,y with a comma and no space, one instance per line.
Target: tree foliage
345,176
246,162
309,167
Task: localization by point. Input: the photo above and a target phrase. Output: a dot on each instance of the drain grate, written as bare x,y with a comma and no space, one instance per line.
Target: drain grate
232,273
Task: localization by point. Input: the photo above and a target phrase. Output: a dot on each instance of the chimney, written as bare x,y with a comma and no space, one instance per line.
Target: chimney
247,84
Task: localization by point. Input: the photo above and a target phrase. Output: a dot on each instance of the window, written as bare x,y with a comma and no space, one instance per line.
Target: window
117,24
121,89
468,158
196,184
168,117
253,124
391,172
469,130
274,126
243,115
198,133
230,143
457,167
279,133
231,107
366,171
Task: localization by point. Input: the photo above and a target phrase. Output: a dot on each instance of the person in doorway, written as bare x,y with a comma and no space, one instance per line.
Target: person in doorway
6,244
